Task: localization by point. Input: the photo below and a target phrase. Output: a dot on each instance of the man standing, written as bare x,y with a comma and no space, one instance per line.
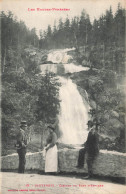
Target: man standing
22,141
91,147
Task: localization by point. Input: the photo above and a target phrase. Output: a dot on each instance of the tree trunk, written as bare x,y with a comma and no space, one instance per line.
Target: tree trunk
103,55
42,133
76,44
4,60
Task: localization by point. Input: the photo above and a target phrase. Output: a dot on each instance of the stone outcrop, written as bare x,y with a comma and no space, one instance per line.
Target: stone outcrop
110,111
108,163
36,55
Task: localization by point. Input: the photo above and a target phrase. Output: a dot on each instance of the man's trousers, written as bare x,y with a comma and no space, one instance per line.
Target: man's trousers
21,153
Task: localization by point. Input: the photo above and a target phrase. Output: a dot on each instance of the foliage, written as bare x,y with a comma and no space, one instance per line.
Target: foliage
48,102
79,31
26,94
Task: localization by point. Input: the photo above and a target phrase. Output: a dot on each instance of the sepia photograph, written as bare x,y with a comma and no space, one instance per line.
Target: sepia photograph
63,127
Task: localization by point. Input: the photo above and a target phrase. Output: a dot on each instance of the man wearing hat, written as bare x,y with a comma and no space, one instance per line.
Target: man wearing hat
91,147
21,145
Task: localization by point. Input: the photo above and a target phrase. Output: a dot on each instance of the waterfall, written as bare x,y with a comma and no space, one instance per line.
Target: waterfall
48,68
73,115
71,68
59,56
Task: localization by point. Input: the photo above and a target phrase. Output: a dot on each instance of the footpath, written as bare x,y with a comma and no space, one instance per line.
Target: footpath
60,184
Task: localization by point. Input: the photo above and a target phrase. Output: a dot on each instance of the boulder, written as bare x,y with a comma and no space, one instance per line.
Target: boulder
86,63
106,116
113,127
92,104
122,117
44,58
114,114
115,123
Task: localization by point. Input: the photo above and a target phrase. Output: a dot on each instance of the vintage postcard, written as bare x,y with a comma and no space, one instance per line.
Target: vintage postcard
63,96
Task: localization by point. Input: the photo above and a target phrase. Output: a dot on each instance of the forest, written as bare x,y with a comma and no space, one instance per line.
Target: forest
108,30
26,94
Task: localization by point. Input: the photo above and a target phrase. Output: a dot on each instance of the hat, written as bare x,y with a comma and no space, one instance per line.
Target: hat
23,123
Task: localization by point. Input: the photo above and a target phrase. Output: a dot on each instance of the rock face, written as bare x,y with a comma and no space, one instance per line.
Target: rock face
36,55
108,163
107,101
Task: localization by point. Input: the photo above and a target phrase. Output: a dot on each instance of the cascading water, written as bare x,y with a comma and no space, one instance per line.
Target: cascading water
59,56
71,68
73,115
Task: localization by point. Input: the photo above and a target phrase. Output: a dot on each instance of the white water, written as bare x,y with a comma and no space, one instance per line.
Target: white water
73,115
59,56
48,68
74,68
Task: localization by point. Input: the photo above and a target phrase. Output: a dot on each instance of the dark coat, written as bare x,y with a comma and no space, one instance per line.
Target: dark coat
91,146
22,139
92,143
